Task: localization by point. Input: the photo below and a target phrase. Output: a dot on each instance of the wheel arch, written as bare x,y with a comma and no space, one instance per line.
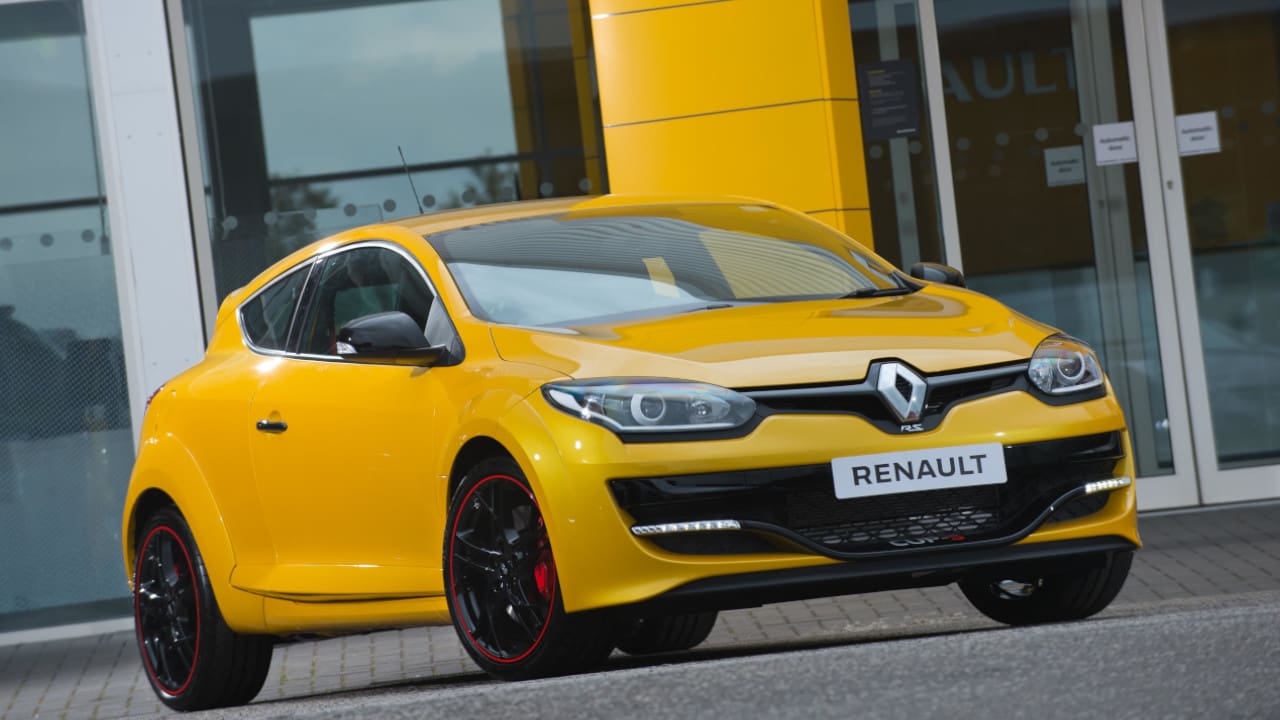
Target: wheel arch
523,435
166,474
149,501
477,449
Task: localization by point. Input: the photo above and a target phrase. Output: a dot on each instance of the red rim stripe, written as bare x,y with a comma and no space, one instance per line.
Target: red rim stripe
137,613
454,591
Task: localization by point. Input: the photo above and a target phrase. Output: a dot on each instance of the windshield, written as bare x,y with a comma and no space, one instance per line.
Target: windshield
587,266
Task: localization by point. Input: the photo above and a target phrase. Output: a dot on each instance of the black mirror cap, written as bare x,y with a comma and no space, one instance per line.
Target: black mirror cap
389,338
937,272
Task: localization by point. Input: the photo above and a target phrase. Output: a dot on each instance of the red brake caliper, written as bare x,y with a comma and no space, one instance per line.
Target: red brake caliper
544,574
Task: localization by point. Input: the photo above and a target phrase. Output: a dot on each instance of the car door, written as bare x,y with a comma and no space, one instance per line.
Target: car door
343,450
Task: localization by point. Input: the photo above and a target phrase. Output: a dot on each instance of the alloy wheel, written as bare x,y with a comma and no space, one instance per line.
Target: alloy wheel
167,610
503,576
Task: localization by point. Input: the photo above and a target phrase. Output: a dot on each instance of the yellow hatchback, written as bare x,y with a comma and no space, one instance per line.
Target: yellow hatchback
572,426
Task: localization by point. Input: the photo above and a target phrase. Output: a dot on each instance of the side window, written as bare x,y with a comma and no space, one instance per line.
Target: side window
266,317
362,282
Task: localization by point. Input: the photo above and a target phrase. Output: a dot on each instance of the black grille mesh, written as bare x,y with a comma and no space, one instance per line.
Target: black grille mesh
841,524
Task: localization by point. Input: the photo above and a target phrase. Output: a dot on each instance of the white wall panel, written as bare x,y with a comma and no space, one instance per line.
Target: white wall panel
150,222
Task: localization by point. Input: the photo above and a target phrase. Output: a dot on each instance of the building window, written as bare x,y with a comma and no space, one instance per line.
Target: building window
305,106
65,440
897,143
1045,225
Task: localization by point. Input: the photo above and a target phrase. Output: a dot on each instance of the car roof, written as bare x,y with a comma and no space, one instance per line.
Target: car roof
435,222
442,220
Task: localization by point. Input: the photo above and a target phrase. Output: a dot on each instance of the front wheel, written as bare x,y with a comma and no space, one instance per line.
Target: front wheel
666,633
502,586
1029,598
193,660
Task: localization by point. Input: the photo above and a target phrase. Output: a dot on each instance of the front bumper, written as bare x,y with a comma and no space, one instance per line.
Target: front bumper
726,592
582,472
782,509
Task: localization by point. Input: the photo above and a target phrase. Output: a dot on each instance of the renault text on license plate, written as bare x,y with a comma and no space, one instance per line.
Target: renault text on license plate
915,470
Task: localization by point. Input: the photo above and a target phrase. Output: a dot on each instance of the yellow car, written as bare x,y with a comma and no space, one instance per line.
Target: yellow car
571,426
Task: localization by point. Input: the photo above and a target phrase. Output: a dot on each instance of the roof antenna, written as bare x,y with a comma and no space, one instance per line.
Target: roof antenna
410,176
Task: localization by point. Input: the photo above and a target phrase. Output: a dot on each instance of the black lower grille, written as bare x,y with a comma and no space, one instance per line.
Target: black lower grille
1080,507
717,543
800,501
840,524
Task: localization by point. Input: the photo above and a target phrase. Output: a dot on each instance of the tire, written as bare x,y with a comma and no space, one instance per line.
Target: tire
192,659
666,633
1056,597
502,587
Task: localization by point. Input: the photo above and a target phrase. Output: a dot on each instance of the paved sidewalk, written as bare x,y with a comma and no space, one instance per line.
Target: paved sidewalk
1200,554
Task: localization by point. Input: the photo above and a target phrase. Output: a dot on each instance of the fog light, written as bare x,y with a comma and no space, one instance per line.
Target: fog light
1098,486
683,527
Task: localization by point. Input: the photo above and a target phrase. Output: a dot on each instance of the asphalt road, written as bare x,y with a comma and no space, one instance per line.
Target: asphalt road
1196,658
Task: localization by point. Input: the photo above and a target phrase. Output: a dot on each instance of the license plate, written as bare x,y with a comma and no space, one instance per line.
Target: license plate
915,470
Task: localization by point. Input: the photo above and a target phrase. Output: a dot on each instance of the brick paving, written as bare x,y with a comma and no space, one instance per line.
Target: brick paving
1196,554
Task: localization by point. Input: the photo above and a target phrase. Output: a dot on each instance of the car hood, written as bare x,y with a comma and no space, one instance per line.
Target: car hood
934,330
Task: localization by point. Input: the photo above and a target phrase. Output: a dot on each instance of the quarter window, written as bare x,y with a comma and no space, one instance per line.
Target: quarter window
267,316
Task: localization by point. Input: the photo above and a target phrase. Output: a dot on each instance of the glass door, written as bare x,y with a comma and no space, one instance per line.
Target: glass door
1215,71
1053,192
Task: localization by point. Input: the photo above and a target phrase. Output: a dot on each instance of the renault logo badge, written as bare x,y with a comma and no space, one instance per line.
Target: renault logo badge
902,390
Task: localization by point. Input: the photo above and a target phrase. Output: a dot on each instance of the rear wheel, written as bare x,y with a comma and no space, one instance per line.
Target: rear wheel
502,586
1028,599
193,660
666,633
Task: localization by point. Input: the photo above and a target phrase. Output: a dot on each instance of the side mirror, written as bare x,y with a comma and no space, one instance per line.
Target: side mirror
389,338
937,272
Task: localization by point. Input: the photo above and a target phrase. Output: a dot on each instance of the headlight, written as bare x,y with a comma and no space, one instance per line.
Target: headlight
1063,365
644,405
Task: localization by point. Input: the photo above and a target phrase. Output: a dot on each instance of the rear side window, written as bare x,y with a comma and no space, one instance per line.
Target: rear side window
266,317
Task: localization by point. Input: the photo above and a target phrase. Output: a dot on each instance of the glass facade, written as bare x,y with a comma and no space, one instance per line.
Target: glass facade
897,143
1226,90
316,116
65,441
1045,224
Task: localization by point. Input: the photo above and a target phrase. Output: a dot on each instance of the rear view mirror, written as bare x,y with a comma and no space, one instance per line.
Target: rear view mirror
389,338
937,272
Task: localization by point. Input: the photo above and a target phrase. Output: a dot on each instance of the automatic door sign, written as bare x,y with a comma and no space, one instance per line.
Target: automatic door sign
1114,144
1198,133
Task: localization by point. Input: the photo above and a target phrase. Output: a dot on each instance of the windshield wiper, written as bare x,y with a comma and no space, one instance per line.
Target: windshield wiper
870,292
710,306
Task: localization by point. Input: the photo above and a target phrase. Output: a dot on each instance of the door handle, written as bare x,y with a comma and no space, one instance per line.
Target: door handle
273,426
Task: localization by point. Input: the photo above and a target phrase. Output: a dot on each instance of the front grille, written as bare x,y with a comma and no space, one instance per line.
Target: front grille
800,502
862,398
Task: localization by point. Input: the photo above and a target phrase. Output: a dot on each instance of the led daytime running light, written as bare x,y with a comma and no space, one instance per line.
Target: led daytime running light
684,527
1098,486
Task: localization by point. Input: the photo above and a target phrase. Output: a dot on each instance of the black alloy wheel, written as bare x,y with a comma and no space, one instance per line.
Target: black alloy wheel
665,633
168,616
502,583
193,660
503,572
1052,597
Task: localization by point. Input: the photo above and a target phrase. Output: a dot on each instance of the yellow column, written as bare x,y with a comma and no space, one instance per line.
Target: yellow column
744,97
